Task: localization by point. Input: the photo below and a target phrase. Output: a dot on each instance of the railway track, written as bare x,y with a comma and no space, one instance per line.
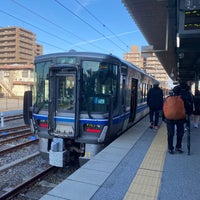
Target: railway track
12,187
12,117
11,121
17,146
14,138
5,134
38,184
14,128
24,173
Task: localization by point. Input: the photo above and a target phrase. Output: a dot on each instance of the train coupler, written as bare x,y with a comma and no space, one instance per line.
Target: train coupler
58,157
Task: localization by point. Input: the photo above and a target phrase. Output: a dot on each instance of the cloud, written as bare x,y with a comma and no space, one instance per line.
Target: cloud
104,38
84,3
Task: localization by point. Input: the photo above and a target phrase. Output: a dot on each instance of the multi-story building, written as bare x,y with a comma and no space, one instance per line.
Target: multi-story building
18,49
17,46
150,64
134,56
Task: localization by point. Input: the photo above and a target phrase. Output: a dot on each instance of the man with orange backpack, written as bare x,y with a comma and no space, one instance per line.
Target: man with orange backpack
175,109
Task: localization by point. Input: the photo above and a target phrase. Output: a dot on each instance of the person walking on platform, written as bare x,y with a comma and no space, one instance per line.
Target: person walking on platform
177,125
196,108
155,103
186,95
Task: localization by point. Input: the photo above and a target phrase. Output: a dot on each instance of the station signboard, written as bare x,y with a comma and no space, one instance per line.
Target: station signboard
189,18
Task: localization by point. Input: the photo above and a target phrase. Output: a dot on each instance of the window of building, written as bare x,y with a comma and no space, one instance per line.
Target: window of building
31,74
6,74
25,74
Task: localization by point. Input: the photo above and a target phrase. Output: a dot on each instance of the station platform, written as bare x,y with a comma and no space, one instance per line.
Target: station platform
136,166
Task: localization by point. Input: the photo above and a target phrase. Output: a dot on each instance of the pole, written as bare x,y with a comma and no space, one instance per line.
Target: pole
2,120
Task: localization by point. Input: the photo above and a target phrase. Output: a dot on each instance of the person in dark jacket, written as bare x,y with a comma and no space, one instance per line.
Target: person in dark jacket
182,90
196,108
186,95
155,103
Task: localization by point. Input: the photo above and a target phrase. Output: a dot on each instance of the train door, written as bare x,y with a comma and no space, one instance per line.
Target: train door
133,106
63,109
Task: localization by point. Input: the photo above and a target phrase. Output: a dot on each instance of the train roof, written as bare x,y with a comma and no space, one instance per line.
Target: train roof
77,53
94,55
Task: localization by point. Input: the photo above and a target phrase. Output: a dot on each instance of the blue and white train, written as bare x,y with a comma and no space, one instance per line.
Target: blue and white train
83,101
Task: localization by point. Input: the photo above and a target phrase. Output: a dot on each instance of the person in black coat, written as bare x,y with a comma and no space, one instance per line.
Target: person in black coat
186,95
196,108
155,103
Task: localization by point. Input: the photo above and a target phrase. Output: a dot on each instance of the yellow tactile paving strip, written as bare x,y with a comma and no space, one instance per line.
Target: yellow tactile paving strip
146,183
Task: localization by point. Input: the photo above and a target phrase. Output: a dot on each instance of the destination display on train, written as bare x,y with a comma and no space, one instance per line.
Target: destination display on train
192,19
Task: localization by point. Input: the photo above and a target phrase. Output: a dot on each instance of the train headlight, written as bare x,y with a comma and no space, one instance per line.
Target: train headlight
43,123
92,128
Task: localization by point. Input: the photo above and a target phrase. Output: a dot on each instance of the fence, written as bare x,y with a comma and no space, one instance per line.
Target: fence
9,103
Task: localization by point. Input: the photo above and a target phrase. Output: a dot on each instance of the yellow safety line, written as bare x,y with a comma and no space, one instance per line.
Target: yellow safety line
146,183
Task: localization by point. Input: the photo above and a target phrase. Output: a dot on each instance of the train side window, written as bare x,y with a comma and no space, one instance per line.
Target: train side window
140,93
133,101
123,89
145,93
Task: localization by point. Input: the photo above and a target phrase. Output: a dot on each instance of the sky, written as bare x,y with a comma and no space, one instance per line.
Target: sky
103,26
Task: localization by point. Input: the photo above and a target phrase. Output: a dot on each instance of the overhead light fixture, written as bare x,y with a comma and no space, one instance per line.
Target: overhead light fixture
177,40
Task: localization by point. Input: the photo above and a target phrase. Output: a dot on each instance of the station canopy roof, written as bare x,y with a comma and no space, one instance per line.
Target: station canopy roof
172,28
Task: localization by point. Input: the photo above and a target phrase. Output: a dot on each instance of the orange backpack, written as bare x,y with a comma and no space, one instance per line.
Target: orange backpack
173,108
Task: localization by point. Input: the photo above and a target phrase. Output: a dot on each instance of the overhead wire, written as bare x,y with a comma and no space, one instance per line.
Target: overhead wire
56,25
53,35
51,45
92,27
77,44
98,20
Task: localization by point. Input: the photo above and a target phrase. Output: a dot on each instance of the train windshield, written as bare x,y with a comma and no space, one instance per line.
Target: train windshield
41,89
99,83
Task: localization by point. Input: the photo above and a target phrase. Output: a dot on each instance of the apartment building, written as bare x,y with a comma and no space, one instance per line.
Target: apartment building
18,49
150,64
134,56
17,46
